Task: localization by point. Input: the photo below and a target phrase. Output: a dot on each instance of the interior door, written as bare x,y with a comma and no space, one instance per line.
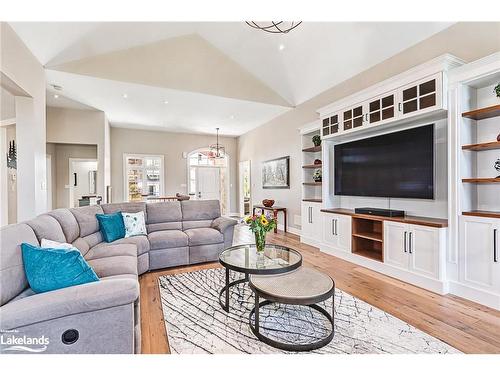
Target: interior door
208,183
395,244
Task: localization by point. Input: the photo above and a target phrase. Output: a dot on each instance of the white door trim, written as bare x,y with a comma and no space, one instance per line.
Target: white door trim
241,202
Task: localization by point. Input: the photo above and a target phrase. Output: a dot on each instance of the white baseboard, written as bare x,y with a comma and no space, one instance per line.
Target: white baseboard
480,296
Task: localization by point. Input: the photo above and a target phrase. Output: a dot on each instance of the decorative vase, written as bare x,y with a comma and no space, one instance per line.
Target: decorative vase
260,242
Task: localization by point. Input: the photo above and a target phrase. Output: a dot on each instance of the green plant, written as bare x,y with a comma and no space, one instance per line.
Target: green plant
316,140
497,90
317,176
260,225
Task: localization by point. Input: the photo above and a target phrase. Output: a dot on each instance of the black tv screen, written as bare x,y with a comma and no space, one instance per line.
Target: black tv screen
396,165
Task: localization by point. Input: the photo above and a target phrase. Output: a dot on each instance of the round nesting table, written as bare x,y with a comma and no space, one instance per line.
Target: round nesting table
275,259
305,287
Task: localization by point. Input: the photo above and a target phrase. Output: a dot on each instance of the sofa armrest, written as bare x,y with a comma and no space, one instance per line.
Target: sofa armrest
77,299
223,223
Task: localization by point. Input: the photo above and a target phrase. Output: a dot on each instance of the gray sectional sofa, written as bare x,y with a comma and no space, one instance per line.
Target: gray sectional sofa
104,316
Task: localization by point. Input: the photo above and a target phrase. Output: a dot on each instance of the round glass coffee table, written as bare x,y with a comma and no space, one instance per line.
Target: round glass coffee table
275,259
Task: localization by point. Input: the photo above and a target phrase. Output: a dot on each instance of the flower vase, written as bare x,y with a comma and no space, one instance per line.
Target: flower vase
260,242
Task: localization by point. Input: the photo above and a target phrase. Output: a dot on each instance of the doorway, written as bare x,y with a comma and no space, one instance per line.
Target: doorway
208,178
245,187
83,179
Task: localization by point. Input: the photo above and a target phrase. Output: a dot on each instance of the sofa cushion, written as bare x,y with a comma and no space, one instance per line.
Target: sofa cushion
46,226
12,278
167,239
141,242
116,265
50,269
68,223
135,224
111,226
204,236
200,209
85,216
163,212
196,224
111,208
106,250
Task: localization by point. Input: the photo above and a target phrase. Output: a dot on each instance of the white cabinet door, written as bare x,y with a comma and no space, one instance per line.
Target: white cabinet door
316,221
354,117
476,255
382,109
311,221
331,125
421,96
395,244
343,231
329,236
337,231
423,247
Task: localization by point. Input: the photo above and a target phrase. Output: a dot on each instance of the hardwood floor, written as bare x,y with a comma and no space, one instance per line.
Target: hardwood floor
469,327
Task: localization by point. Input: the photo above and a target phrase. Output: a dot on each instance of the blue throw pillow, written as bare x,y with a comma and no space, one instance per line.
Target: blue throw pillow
111,226
51,269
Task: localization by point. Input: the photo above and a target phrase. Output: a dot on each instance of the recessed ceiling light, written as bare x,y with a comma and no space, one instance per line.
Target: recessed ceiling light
281,47
165,102
56,96
125,96
231,117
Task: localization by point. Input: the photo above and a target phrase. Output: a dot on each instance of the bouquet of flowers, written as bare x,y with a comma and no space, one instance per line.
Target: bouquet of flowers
260,225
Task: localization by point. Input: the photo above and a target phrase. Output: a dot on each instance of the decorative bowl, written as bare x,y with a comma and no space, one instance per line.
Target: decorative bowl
268,202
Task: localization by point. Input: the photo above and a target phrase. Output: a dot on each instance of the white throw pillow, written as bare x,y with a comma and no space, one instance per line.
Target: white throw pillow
49,244
135,224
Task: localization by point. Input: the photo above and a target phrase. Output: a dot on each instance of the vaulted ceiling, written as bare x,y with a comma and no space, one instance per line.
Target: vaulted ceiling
193,77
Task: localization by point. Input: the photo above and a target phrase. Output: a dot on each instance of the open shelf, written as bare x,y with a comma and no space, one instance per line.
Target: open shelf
370,253
312,149
482,146
369,236
313,200
492,214
312,183
315,166
483,180
483,113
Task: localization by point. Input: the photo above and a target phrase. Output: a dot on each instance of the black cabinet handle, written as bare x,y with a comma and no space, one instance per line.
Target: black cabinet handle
404,242
495,257
75,181
409,242
336,220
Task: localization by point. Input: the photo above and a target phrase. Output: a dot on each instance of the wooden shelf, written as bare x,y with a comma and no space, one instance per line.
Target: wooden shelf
313,200
492,214
312,149
315,166
482,146
369,236
370,254
483,113
312,183
492,180
417,220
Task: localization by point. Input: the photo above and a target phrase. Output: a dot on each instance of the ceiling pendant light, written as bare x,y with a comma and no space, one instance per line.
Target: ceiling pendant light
274,27
217,151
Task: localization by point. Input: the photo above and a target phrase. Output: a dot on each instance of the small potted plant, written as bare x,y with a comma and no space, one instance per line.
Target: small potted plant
316,140
496,89
260,225
317,176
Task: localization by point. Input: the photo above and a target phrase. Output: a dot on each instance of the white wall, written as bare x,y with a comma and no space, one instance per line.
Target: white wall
17,63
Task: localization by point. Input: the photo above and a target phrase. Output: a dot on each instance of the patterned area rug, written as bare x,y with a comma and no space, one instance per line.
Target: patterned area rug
196,323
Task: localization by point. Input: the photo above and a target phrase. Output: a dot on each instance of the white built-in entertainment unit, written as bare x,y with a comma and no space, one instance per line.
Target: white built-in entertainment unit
448,244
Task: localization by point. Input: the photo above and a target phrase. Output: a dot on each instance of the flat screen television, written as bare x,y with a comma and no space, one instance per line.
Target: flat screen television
396,165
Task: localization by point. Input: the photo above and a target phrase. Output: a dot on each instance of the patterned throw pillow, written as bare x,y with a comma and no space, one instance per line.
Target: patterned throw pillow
135,224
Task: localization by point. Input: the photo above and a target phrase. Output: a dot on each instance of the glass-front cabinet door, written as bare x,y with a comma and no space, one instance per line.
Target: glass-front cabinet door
353,117
330,125
382,108
423,95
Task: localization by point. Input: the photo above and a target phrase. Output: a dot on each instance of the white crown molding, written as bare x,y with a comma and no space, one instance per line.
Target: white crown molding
475,69
310,127
441,63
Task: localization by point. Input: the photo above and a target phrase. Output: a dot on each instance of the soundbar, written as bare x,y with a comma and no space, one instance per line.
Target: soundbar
379,212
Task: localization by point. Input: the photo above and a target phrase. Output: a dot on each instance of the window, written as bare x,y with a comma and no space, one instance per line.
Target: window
143,176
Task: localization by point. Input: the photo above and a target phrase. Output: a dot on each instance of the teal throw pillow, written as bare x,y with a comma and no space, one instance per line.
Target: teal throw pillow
111,226
51,269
